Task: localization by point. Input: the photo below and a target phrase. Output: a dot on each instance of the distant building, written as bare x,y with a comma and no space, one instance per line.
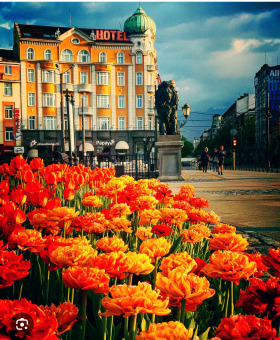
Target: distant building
267,98
216,124
10,123
206,135
195,142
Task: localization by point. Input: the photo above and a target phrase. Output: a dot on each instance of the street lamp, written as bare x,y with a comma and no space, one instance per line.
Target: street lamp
186,112
61,106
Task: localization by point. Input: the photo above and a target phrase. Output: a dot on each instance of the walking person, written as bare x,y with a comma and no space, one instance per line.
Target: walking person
215,159
205,159
221,155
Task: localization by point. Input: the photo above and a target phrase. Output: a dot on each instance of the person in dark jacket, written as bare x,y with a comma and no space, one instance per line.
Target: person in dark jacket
205,159
215,160
222,155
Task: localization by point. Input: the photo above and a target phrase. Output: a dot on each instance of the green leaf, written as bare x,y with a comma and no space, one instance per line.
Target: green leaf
175,245
204,335
116,331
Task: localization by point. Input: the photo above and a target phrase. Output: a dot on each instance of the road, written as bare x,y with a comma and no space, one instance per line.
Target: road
246,199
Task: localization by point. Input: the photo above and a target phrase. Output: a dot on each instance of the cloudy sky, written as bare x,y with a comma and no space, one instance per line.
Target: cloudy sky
211,49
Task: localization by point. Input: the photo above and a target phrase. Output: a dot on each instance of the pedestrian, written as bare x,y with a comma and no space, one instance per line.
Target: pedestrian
205,159
221,155
215,159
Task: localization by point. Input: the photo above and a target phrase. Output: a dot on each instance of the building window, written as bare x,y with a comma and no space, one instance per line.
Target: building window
102,57
31,99
75,41
103,101
49,99
8,112
84,100
83,56
8,90
50,122
121,102
150,123
103,123
139,123
86,122
30,54
67,55
103,78
139,101
150,102
138,58
139,78
67,77
121,123
120,58
8,69
30,75
83,77
48,55
47,76
9,134
32,122
120,79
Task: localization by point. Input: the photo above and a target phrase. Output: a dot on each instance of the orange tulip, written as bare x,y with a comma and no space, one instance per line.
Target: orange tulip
86,278
149,216
172,330
173,216
74,255
230,266
144,202
139,264
223,228
228,241
90,200
109,244
119,210
180,285
120,224
114,263
27,239
209,217
68,194
173,261
155,247
36,164
196,233
144,233
132,300
66,315
17,163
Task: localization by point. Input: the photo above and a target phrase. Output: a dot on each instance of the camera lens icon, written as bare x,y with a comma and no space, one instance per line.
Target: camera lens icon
22,323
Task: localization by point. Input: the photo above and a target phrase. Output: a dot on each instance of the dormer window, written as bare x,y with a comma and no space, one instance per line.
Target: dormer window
75,41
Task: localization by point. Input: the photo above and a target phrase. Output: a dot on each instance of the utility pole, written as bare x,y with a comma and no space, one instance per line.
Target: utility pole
84,134
67,96
62,114
267,116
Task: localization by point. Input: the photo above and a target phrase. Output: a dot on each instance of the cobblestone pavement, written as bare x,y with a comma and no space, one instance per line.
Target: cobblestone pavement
248,200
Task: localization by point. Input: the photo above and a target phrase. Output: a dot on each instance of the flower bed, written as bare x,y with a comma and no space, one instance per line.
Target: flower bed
87,255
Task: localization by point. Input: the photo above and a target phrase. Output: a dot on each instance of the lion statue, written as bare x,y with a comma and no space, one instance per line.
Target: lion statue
166,103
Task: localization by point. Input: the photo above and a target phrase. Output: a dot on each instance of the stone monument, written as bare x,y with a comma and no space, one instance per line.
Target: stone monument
169,140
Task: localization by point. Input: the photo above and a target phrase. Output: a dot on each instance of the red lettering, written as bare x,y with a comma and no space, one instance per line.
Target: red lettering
124,37
113,35
99,35
119,35
107,35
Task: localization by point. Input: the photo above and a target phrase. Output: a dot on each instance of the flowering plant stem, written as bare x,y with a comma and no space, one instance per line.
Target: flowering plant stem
133,322
84,314
183,307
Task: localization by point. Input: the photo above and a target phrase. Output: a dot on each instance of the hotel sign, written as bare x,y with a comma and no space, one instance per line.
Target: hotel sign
17,121
110,35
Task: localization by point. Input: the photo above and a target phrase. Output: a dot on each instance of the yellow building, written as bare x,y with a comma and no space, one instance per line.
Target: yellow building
110,74
10,136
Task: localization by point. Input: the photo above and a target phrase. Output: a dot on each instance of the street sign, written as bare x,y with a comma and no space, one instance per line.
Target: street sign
18,149
233,132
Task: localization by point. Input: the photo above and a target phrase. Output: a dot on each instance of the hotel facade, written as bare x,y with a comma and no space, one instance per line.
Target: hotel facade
111,76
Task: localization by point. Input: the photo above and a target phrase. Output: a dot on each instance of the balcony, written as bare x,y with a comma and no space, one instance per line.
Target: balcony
150,88
85,88
87,110
151,112
151,67
70,87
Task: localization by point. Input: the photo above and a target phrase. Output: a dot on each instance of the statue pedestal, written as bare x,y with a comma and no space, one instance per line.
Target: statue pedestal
169,151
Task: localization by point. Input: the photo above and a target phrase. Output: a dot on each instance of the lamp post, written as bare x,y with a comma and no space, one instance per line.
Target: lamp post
61,107
186,112
67,96
72,101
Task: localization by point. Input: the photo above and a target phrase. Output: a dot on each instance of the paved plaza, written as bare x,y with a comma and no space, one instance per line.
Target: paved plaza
248,200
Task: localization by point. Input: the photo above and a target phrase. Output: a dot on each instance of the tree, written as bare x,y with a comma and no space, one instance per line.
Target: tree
187,149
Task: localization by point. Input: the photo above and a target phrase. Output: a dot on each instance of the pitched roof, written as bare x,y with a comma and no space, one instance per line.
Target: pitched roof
7,55
48,32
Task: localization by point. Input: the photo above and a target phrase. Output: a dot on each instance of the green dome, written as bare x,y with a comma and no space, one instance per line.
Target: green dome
139,23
